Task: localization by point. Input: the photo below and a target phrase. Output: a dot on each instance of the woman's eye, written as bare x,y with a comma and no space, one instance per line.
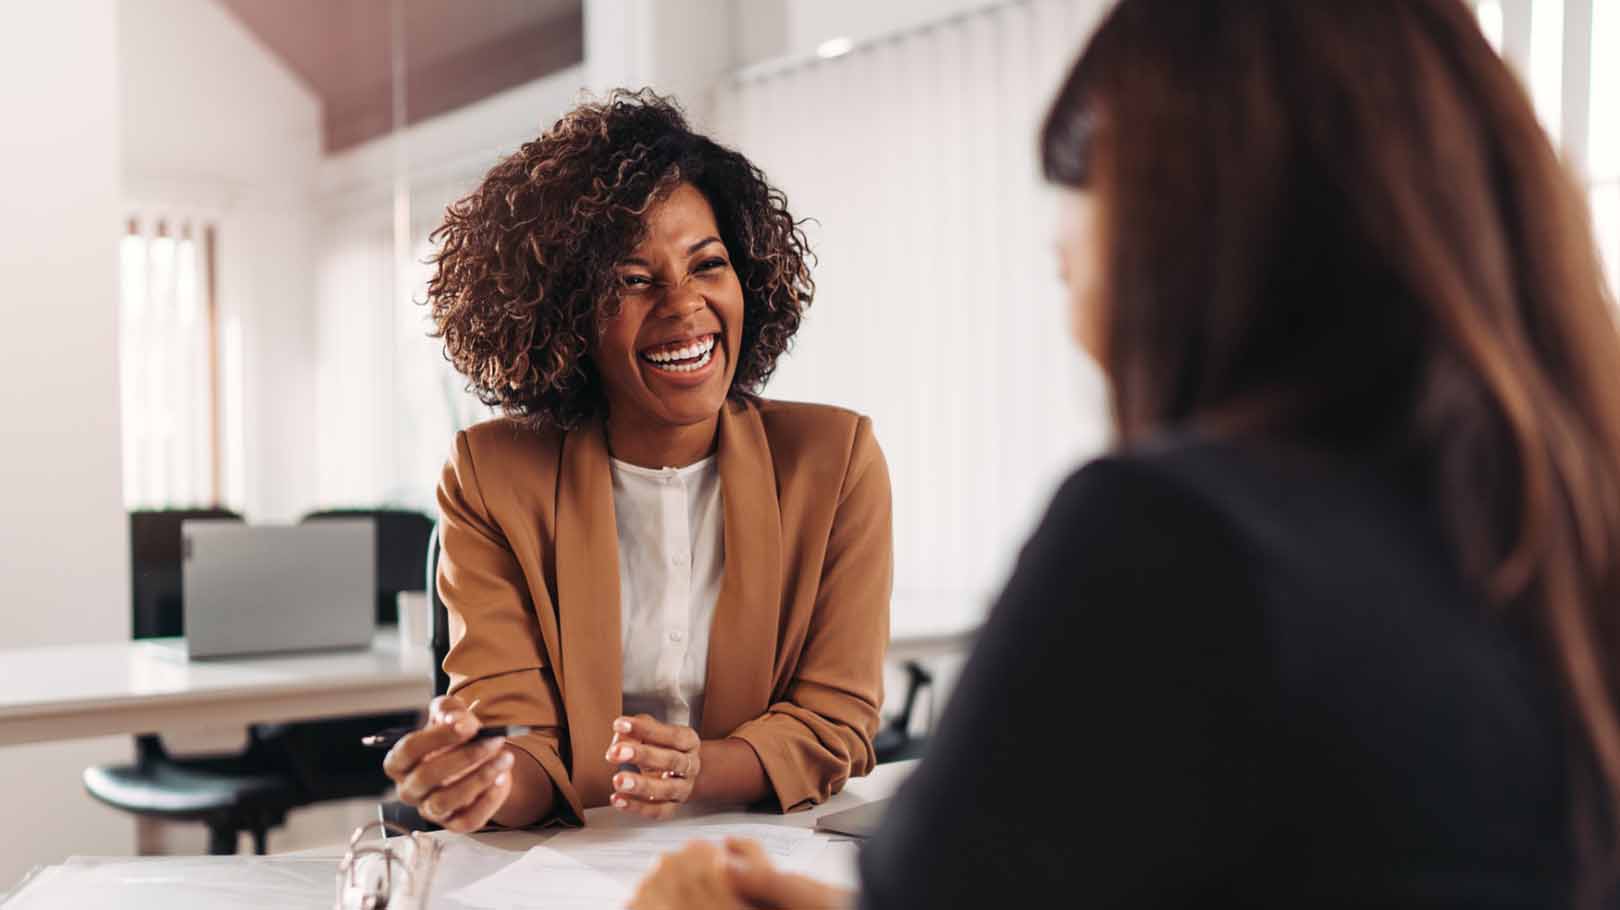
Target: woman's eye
636,281
708,264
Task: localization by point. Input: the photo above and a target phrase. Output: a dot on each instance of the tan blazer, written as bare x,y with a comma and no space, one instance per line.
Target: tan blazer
529,571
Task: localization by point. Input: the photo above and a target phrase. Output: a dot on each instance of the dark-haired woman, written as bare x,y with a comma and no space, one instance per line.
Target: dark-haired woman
1338,624
683,588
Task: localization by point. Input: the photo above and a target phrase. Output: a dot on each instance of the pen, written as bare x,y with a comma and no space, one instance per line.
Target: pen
385,739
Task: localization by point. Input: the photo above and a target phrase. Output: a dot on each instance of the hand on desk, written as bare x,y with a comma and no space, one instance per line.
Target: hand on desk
450,778
738,875
667,757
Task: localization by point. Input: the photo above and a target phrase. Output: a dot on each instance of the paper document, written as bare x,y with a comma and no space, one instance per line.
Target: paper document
597,868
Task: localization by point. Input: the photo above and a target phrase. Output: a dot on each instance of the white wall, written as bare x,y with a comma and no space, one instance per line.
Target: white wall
63,545
214,123
938,310
387,404
770,29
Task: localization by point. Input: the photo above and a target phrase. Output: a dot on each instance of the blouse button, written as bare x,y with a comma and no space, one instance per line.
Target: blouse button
678,559
676,635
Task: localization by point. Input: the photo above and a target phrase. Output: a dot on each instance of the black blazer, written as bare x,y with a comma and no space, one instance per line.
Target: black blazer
1226,678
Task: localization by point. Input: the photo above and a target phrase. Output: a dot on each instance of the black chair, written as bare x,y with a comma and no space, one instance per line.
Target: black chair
402,539
393,810
229,794
895,741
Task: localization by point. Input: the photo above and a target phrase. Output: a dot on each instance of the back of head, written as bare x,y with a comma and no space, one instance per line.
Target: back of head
1340,224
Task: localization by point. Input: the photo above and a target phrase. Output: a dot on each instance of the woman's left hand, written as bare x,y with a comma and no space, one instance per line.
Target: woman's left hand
669,763
702,876
692,878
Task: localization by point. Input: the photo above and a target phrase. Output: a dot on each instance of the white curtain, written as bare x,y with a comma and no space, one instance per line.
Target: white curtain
938,310
166,350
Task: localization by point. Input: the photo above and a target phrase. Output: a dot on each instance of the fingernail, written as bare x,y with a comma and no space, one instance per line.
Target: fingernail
620,802
501,781
466,725
624,753
505,760
627,784
622,725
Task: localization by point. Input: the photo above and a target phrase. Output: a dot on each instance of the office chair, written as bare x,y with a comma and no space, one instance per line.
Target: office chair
895,741
402,539
392,810
230,794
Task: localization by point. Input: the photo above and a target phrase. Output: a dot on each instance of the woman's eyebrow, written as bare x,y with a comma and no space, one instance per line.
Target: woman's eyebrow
637,260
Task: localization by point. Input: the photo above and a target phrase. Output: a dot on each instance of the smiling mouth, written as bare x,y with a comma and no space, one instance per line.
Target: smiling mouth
687,356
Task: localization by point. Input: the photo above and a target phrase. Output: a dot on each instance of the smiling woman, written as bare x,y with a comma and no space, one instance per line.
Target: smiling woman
682,588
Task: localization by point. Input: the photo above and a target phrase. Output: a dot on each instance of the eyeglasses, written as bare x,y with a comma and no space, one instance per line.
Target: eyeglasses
365,879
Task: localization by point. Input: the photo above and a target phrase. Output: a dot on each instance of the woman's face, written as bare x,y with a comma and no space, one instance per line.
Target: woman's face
1080,262
667,358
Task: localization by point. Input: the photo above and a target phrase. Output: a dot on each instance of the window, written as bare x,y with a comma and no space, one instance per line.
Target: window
1569,53
169,364
1603,156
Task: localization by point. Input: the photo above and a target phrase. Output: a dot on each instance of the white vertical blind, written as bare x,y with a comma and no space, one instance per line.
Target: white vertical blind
166,349
938,310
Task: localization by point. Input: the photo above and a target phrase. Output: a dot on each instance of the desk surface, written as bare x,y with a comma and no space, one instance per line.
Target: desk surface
75,691
494,849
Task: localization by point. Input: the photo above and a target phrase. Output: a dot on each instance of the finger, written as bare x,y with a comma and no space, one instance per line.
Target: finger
651,788
760,884
747,850
653,811
447,768
482,809
438,735
445,705
653,758
452,798
675,881
650,731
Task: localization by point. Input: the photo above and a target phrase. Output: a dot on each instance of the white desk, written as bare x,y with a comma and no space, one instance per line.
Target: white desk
835,866
75,691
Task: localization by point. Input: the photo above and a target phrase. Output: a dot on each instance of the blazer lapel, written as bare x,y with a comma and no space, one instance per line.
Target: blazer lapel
590,675
742,642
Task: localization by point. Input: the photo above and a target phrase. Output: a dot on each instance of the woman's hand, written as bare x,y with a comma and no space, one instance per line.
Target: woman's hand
693,878
740,874
669,763
450,778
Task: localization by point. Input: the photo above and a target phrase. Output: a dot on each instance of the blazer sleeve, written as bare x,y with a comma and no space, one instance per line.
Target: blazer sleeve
497,656
819,734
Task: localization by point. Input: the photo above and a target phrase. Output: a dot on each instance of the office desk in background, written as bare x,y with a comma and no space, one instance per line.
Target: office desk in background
75,691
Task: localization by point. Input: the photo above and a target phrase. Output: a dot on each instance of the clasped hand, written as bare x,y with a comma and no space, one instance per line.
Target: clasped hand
666,760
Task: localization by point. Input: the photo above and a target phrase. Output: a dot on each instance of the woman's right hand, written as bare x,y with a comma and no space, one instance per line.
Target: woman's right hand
452,779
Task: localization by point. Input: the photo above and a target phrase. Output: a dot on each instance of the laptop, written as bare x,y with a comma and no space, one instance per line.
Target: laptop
272,589
861,821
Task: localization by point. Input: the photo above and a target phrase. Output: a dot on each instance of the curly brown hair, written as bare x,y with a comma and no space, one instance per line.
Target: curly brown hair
525,269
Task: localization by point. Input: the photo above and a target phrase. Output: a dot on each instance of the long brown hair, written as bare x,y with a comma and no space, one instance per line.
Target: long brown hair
1340,222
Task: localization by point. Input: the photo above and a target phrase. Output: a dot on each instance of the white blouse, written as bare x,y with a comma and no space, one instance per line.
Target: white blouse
671,563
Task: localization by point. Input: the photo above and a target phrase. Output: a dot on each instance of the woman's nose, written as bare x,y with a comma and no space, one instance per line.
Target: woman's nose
680,302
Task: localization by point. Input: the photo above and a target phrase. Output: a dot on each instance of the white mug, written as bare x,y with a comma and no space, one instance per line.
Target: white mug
415,628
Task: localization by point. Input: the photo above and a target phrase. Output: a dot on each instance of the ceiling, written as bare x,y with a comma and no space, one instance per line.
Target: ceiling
456,52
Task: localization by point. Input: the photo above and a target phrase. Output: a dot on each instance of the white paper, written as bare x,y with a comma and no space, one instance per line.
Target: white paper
599,869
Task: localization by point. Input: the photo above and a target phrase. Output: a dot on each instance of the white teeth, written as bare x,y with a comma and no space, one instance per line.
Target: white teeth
696,349
699,364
